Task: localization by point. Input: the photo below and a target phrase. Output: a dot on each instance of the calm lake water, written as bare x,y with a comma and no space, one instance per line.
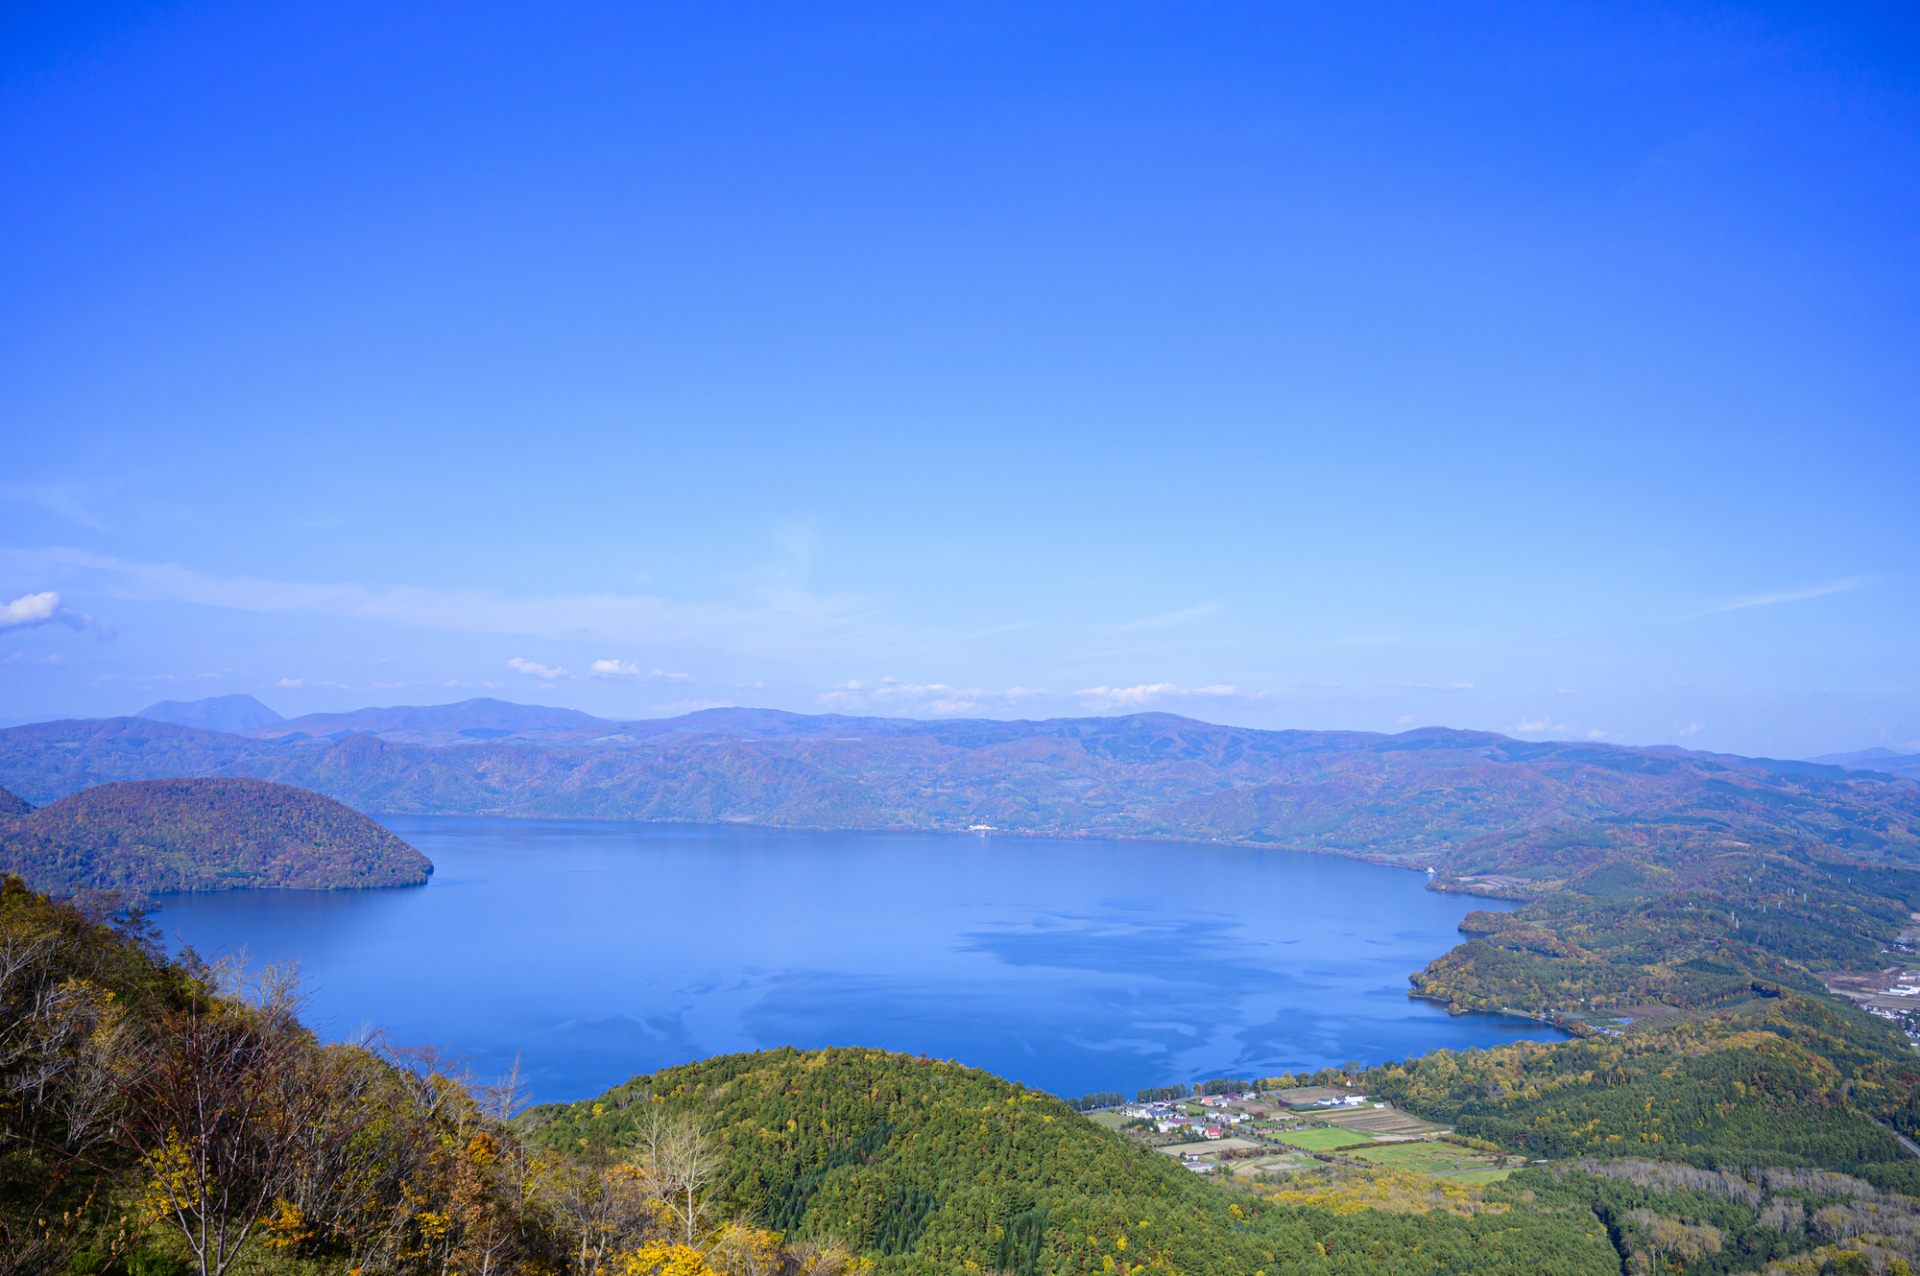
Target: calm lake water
597,951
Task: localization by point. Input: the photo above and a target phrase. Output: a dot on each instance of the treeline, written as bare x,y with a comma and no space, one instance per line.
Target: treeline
152,1124
1098,1099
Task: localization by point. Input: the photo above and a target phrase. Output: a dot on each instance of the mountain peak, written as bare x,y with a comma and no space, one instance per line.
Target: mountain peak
237,712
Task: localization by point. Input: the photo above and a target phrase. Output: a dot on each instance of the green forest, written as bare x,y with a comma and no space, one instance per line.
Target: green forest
148,836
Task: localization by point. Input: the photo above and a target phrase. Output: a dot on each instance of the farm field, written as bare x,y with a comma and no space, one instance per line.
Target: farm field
1322,1138
1212,1147
1383,1122
1307,1095
1432,1157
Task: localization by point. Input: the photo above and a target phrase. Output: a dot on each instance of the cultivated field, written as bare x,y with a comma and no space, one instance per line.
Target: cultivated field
1382,1122
1322,1138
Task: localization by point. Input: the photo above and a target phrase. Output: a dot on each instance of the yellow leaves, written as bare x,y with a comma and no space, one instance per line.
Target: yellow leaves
171,1183
286,1227
662,1258
482,1150
433,1226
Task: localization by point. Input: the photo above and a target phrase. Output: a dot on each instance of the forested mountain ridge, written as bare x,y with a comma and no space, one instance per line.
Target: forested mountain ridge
1465,803
141,837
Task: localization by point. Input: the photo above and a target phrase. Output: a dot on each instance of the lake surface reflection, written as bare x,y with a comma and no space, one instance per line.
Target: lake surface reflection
595,951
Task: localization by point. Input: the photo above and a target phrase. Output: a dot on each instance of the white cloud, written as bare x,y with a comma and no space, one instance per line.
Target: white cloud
613,669
1146,693
1691,728
1597,734
290,683
891,695
30,610
1779,596
627,669
1404,720
534,669
1543,725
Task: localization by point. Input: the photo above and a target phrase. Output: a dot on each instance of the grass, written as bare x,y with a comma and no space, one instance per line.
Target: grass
1321,1138
1428,1158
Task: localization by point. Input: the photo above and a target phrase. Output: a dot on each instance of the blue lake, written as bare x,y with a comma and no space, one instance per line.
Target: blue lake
597,951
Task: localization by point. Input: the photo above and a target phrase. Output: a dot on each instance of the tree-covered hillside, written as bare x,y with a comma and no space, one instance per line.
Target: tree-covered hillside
1465,803
930,1167
203,834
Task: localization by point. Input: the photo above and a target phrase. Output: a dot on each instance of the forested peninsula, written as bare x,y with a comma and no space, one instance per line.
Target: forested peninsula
145,837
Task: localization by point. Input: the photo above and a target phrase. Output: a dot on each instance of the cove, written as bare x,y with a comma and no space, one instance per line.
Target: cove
594,951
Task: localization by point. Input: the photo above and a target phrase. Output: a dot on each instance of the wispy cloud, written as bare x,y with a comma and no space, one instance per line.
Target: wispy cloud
1776,597
1147,693
674,708
892,695
781,615
1166,619
534,669
1689,728
55,498
1543,725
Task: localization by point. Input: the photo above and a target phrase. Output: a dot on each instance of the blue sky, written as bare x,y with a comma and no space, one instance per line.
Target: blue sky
1548,369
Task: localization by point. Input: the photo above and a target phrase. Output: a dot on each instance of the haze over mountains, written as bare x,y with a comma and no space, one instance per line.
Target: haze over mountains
1887,761
1462,802
215,713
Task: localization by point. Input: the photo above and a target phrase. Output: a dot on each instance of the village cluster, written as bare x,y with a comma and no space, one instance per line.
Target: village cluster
1278,1131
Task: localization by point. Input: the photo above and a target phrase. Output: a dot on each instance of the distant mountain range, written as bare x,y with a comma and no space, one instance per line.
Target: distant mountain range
199,834
1463,802
1885,761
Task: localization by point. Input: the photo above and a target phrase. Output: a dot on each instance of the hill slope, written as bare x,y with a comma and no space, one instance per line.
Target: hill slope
215,713
202,834
931,1167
